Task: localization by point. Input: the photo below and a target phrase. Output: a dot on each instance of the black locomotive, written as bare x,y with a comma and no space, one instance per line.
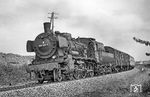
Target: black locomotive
59,57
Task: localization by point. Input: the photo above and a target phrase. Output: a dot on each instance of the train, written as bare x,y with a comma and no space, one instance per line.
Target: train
60,57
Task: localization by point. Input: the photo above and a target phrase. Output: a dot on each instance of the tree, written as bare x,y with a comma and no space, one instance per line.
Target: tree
147,43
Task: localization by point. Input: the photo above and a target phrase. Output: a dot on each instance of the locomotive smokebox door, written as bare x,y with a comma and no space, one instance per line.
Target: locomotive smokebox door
29,46
45,45
47,26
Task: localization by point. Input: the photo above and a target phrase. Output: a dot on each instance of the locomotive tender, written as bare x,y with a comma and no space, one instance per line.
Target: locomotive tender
59,57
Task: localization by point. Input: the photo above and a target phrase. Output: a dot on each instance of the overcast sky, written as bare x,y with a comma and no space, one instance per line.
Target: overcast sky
112,22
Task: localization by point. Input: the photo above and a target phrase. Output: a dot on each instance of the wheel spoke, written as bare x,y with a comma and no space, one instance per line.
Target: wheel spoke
76,75
57,75
83,74
91,74
71,76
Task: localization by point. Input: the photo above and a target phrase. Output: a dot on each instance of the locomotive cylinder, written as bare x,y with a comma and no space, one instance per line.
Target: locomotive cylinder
47,26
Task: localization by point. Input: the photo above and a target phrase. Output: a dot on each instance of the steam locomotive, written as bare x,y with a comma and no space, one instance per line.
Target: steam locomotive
59,57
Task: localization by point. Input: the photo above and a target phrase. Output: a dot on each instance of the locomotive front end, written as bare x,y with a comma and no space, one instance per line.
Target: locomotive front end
45,44
45,47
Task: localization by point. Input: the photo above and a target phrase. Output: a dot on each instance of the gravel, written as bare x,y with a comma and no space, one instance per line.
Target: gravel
73,88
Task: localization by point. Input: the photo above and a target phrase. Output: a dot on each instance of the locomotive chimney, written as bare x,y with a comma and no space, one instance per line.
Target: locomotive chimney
47,26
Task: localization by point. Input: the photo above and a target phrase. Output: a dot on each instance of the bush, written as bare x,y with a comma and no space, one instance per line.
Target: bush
146,87
12,75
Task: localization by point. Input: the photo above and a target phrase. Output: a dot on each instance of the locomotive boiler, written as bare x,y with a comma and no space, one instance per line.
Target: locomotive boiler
59,57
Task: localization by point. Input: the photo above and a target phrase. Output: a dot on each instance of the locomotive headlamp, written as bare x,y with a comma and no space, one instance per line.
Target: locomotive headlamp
54,57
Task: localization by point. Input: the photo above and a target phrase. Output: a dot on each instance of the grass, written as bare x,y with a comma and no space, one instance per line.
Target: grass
11,75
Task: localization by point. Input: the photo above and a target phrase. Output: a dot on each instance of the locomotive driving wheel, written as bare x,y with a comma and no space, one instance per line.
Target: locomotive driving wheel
57,75
91,74
83,74
39,77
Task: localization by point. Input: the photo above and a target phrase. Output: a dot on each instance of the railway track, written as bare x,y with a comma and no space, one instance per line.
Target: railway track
77,87
35,83
26,85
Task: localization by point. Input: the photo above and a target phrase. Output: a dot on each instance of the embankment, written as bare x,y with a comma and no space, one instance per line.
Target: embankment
73,88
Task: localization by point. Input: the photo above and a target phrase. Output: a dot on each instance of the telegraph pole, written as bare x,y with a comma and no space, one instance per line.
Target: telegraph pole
52,21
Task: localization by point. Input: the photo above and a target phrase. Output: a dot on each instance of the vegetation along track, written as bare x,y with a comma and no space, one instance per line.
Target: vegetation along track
35,83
